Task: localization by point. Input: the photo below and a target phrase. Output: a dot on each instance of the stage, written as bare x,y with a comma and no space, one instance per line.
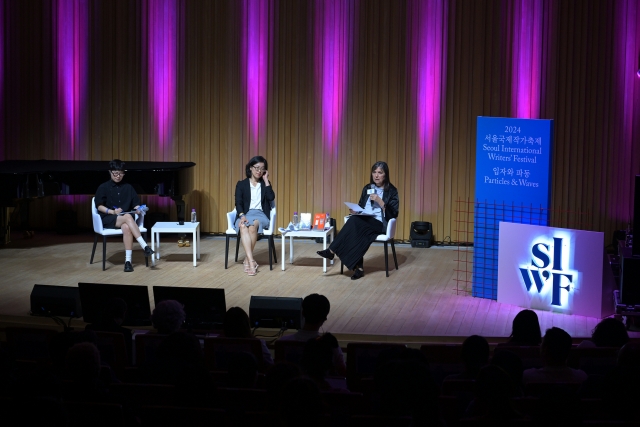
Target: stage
417,303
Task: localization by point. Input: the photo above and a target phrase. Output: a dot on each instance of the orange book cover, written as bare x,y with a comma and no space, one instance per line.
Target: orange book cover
318,221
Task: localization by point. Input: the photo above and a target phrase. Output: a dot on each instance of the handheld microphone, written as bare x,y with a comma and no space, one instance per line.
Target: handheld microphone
373,190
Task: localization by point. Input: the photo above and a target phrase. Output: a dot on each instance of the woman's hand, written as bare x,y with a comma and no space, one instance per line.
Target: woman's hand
117,211
265,176
375,198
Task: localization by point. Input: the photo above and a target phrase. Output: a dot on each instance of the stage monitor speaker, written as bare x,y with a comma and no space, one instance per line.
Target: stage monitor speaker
49,300
421,234
204,307
630,281
94,297
275,312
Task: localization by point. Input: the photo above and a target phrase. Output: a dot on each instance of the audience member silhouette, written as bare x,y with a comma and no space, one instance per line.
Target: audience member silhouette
609,332
82,370
406,388
305,406
115,311
475,354
495,390
242,370
525,330
179,361
168,317
236,325
555,349
315,309
317,359
511,363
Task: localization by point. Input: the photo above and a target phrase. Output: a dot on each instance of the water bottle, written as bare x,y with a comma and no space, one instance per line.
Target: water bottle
327,222
193,215
295,220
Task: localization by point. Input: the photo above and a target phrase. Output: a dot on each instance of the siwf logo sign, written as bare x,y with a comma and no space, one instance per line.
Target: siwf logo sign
542,270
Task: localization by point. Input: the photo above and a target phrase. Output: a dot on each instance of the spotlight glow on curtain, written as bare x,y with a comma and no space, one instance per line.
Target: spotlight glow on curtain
427,44
160,23
255,66
333,41
71,32
527,58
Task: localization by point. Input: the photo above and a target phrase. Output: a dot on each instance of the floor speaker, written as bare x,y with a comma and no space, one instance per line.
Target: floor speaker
275,312
630,281
421,234
61,301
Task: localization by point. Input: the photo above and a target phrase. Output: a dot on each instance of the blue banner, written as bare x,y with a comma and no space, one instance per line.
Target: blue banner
513,184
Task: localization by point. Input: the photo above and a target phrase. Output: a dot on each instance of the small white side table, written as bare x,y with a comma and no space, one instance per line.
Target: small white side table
174,227
307,233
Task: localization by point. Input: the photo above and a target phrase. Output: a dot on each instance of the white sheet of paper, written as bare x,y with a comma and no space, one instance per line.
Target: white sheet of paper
358,210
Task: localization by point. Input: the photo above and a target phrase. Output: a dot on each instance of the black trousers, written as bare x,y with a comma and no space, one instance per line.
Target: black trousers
354,239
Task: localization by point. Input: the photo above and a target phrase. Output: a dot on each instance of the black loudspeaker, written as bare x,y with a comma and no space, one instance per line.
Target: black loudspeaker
204,307
421,234
94,297
630,281
276,312
61,301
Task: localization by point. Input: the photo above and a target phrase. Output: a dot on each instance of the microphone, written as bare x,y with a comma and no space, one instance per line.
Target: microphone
373,190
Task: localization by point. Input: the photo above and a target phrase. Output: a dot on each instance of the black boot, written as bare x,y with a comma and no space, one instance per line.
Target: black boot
326,254
358,273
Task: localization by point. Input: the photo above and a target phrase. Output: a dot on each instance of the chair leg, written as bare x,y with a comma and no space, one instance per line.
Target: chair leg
237,246
386,258
226,252
341,267
270,254
95,243
393,249
104,253
273,247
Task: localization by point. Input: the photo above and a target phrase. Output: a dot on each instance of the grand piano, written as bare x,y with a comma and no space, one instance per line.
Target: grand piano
28,179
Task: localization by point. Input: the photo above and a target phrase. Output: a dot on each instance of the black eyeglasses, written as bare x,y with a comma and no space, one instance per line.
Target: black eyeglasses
258,169
117,173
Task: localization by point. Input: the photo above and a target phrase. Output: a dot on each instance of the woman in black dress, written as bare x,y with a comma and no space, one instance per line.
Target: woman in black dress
360,231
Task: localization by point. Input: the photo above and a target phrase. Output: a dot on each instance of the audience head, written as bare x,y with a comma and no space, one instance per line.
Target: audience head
82,364
315,309
317,355
252,162
610,333
556,346
526,329
168,316
236,323
511,363
385,168
475,353
115,309
179,359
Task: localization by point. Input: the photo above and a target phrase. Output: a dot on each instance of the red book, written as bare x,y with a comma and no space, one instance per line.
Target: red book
318,221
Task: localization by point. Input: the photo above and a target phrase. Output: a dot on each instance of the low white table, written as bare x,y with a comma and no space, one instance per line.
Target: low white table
307,233
174,227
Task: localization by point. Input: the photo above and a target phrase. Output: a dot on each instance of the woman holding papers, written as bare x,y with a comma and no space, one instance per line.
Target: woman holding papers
254,196
379,202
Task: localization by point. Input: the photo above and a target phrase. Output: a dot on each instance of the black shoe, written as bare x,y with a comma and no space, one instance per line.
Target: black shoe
148,251
357,274
326,254
128,268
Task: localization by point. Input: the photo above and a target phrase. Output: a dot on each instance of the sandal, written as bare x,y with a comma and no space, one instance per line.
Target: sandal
246,266
253,270
186,244
181,243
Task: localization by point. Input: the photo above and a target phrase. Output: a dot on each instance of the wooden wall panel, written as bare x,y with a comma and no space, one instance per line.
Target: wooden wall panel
583,89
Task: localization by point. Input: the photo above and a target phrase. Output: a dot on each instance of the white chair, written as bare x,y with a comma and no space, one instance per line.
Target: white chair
385,239
231,220
100,230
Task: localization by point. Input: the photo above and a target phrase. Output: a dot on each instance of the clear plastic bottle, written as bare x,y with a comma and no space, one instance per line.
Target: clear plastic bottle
327,222
296,220
193,215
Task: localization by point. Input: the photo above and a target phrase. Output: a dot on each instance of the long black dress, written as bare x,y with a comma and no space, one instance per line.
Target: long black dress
359,232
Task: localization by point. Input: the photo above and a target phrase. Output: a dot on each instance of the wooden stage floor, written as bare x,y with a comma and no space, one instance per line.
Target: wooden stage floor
417,303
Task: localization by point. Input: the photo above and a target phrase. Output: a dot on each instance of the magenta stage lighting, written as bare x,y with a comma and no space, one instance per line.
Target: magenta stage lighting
160,29
70,47
2,41
426,56
526,49
256,42
334,25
